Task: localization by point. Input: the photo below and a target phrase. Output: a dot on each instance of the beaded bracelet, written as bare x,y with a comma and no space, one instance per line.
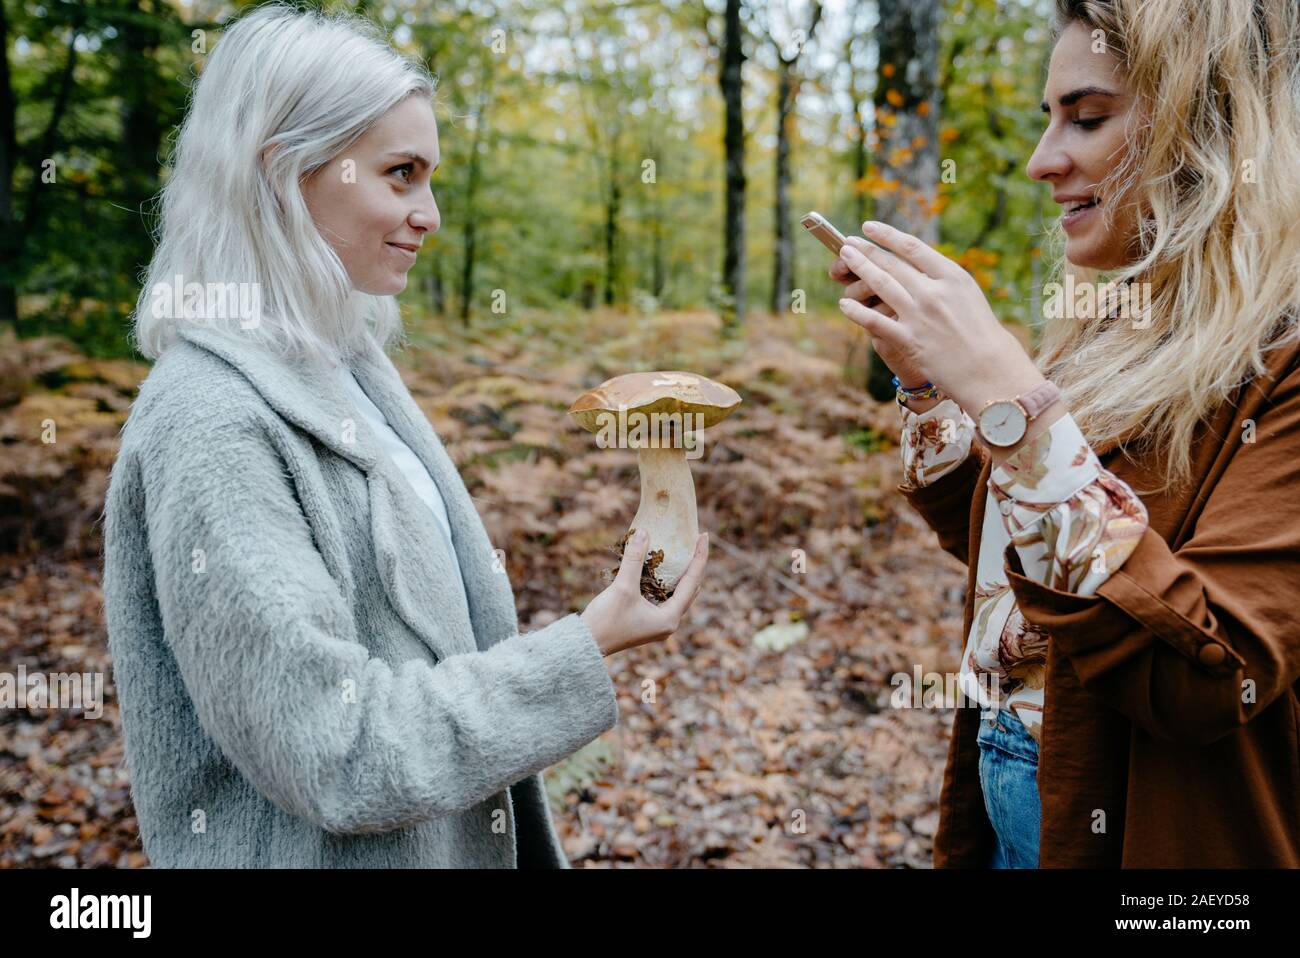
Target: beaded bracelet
903,393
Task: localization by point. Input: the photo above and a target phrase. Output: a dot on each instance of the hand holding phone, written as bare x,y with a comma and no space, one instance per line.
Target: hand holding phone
826,233
906,371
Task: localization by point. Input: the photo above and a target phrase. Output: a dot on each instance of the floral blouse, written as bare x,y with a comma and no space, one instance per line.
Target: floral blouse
1072,522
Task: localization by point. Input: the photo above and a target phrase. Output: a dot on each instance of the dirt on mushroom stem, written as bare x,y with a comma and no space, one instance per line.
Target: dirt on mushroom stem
651,587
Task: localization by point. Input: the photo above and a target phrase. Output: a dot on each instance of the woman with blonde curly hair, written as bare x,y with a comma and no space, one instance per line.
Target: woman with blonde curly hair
1127,503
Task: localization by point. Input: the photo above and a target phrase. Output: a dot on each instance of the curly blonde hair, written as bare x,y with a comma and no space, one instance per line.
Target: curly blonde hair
1215,171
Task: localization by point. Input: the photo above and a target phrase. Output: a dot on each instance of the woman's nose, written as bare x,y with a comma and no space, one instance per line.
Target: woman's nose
427,217
1047,160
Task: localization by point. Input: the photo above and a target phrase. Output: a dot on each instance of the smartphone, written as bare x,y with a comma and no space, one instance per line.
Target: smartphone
824,230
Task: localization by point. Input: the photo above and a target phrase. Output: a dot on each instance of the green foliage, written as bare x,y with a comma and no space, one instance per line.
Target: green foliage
97,84
593,131
579,771
866,440
994,64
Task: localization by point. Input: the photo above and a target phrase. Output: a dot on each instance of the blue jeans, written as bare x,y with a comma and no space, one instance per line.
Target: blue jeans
1008,777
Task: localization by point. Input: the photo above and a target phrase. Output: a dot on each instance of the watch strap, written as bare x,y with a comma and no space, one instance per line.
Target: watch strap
1035,400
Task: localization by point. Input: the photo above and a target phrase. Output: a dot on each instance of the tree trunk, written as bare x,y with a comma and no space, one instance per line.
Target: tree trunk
731,79
12,242
10,236
49,140
787,95
907,129
652,212
613,202
783,267
434,289
143,122
908,152
860,165
860,134
657,272
471,193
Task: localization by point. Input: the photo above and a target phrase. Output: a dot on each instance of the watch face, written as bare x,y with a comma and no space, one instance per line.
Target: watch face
1003,423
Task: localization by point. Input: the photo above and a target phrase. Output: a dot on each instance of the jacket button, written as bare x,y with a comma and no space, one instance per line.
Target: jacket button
1211,653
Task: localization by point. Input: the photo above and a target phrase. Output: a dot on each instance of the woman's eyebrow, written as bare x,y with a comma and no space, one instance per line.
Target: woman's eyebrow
410,155
1074,96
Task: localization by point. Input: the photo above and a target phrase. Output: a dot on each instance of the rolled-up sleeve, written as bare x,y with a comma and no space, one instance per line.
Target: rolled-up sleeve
934,442
941,467
1072,522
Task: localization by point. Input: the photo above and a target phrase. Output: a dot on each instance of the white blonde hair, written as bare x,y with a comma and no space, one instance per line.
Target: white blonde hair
283,93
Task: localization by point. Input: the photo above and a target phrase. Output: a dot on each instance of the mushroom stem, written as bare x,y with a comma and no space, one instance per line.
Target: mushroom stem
667,510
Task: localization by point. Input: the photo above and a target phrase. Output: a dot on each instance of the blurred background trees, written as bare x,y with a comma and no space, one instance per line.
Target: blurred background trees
622,154
621,185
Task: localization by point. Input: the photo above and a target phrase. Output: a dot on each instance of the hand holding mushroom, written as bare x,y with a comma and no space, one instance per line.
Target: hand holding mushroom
621,618
662,415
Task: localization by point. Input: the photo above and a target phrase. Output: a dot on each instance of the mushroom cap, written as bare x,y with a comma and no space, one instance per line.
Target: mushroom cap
657,392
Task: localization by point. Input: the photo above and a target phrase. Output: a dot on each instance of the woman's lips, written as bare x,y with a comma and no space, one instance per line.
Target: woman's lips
408,253
1069,220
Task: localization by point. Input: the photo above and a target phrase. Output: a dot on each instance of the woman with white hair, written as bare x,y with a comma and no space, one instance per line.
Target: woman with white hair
315,645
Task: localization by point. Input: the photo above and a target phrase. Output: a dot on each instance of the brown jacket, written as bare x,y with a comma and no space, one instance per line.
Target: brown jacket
1170,721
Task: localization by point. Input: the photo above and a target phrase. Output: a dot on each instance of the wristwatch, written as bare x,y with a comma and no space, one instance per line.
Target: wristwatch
1003,422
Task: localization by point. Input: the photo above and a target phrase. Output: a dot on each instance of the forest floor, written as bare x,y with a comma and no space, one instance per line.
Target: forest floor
760,734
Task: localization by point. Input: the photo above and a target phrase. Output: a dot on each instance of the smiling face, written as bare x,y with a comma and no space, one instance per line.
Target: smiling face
373,203
1092,116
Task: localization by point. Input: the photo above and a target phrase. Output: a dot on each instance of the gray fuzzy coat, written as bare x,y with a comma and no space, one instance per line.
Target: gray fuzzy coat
301,683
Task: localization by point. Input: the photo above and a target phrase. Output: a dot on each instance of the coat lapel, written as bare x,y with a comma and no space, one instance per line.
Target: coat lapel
487,586
410,554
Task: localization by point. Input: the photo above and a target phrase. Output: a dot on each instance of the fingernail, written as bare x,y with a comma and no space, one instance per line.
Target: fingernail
871,226
850,252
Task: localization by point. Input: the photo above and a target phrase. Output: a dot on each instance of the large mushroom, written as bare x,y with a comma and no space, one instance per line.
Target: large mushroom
655,413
